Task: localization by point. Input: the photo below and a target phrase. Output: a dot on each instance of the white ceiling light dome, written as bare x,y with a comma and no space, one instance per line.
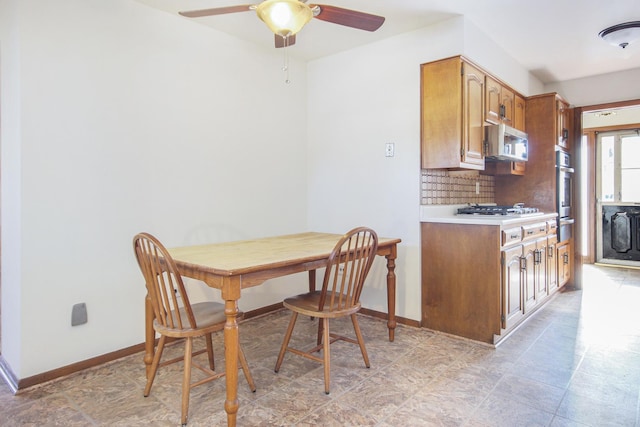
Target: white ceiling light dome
621,34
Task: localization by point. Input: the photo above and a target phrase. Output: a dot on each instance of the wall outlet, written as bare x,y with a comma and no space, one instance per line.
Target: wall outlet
389,149
79,314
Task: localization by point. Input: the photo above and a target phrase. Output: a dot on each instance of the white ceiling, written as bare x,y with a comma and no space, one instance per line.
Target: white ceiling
556,40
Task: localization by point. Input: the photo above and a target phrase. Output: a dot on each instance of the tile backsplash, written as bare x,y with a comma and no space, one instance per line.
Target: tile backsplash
444,187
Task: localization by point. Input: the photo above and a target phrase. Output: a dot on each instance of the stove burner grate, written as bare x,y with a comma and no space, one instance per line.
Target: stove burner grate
496,210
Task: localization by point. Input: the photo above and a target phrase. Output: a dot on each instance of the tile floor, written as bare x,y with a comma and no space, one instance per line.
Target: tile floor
576,363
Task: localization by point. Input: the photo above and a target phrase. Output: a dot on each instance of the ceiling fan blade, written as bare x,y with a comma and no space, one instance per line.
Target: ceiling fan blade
216,11
349,18
282,42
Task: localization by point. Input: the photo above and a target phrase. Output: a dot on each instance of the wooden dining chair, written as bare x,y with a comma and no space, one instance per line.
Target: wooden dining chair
177,318
345,273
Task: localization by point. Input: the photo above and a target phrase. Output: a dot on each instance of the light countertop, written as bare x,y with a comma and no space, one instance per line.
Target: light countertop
447,214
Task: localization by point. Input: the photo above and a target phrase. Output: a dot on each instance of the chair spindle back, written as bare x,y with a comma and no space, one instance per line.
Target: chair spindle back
347,269
164,283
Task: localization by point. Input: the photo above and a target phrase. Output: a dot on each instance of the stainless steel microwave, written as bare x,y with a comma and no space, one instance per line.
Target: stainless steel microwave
506,143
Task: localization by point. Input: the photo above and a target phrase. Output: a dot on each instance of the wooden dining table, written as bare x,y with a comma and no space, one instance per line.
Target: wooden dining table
234,266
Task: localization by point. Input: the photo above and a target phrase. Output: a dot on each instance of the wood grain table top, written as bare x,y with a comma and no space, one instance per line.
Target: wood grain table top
249,256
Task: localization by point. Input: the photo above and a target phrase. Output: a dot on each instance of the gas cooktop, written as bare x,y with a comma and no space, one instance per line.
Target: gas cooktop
516,210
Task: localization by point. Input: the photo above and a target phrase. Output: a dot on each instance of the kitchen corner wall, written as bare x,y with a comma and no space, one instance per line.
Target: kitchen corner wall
444,187
359,100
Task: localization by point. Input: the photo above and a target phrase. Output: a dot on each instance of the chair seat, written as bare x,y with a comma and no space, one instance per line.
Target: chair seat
308,304
209,317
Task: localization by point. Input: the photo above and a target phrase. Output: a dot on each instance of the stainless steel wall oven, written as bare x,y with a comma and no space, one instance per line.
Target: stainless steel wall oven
564,195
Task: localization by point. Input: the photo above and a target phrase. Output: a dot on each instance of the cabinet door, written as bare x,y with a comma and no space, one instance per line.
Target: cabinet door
519,109
512,309
499,103
564,263
529,275
562,123
518,168
492,101
473,116
452,97
542,284
552,263
507,102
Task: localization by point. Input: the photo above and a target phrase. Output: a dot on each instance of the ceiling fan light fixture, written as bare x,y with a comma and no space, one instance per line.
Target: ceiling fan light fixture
284,17
622,34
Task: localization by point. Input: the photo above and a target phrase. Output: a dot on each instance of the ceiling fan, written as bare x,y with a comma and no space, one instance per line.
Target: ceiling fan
286,17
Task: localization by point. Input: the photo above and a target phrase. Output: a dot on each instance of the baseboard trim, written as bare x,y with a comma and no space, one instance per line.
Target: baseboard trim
18,385
262,311
381,315
76,367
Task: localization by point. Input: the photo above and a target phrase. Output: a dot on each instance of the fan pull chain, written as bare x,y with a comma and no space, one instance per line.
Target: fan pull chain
285,67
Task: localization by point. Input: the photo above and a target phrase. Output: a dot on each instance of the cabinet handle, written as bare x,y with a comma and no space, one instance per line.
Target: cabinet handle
565,258
523,263
530,232
514,236
503,111
537,256
550,251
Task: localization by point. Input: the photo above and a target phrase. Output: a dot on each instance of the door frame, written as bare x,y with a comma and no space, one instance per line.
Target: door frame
589,255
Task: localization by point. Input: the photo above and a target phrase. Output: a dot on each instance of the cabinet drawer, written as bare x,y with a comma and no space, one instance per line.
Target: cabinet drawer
531,231
511,235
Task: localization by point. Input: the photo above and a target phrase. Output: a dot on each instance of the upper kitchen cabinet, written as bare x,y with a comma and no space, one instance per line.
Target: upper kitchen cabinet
499,103
519,112
452,109
562,123
502,105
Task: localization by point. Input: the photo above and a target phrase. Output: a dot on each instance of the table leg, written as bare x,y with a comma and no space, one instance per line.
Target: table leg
231,345
312,280
149,334
391,292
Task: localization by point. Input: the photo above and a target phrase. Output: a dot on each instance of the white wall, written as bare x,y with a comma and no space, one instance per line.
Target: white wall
10,181
117,118
358,101
602,89
492,58
620,116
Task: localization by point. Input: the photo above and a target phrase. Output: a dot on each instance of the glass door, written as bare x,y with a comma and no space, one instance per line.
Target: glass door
617,192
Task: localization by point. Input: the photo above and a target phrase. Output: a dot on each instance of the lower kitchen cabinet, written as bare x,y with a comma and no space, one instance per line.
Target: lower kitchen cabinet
512,304
564,263
481,281
460,280
552,264
541,276
529,253
524,279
